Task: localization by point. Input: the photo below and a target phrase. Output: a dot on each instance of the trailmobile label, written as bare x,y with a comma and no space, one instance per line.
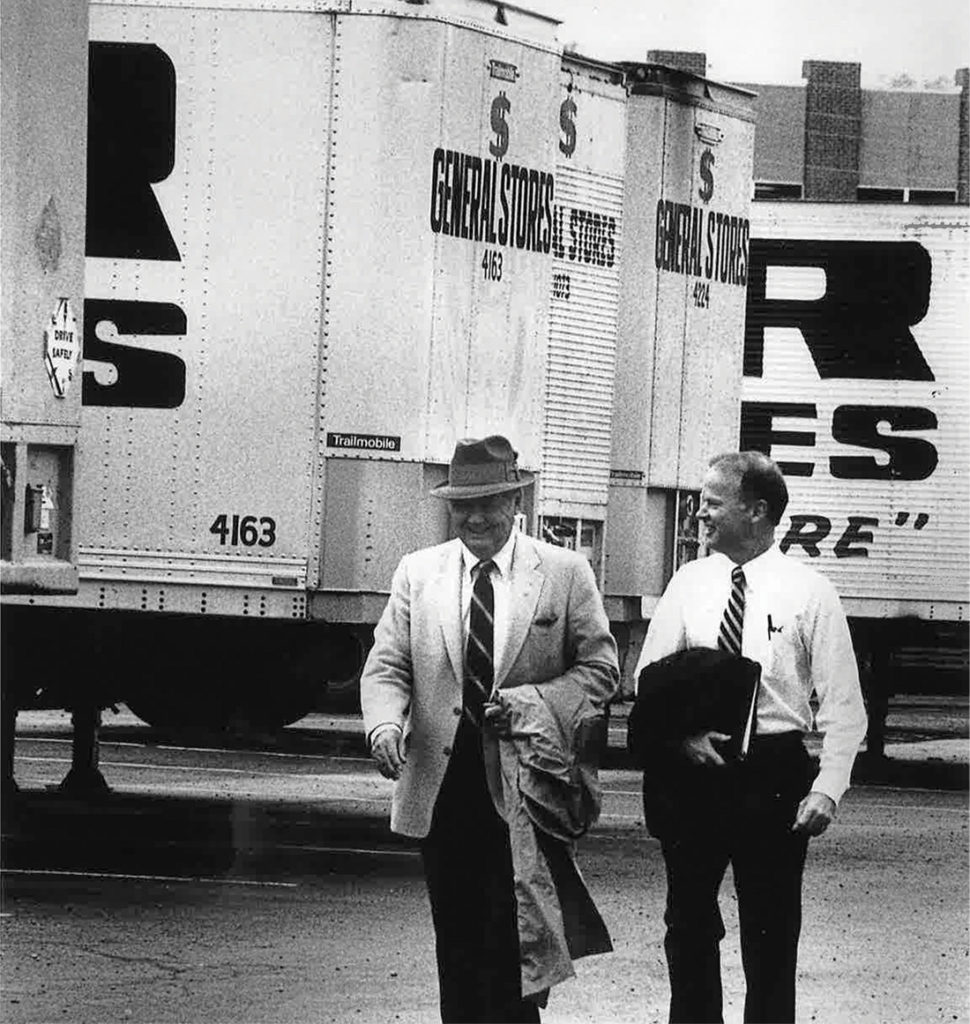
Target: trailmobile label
367,442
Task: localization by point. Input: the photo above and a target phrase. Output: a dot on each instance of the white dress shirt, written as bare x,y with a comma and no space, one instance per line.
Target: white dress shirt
795,628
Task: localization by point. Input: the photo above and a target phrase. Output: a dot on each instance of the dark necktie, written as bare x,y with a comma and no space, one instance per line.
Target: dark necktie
729,637
480,650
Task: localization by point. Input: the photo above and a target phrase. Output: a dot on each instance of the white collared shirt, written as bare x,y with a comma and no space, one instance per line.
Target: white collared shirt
795,628
501,577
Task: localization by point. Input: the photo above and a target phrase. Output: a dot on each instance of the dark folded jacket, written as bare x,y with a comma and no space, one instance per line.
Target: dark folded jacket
686,693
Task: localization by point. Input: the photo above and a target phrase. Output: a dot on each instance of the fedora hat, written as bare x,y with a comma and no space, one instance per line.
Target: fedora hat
481,467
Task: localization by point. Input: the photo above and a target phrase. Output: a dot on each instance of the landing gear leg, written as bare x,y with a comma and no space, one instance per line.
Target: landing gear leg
875,675
85,778
8,736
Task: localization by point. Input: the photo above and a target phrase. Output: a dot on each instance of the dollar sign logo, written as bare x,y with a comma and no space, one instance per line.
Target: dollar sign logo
500,107
707,175
567,113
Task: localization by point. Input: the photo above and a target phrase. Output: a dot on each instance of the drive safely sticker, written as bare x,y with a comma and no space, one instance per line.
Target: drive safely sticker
61,347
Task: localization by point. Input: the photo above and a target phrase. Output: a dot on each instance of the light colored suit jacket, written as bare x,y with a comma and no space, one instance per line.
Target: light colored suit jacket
557,629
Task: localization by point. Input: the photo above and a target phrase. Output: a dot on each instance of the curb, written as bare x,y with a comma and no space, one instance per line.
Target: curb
940,763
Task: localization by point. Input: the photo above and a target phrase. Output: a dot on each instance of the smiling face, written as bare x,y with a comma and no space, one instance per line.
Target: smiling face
484,524
729,524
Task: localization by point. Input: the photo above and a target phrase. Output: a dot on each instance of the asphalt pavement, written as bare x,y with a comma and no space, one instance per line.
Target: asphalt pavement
257,882
242,878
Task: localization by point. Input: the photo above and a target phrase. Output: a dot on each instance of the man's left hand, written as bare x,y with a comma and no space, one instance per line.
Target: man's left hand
498,717
815,814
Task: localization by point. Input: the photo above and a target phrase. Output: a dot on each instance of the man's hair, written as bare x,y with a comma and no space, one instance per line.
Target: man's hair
759,478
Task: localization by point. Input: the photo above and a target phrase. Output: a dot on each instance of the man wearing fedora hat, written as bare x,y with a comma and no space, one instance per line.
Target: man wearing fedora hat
467,621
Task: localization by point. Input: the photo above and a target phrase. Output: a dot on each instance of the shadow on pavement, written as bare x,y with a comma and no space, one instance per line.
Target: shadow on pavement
176,835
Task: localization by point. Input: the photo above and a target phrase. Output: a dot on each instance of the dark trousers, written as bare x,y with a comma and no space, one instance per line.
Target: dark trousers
468,870
752,833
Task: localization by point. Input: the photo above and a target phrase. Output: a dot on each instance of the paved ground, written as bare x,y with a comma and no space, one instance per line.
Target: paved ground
927,739
261,886
247,879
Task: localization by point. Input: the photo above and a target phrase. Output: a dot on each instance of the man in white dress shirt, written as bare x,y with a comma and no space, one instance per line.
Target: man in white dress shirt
788,618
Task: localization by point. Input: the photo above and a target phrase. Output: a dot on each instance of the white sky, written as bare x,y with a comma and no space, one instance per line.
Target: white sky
765,41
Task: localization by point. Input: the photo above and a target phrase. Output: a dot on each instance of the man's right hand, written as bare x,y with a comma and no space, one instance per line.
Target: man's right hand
701,750
387,749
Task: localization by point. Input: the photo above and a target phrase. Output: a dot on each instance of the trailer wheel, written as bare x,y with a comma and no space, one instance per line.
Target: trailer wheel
344,663
180,711
219,674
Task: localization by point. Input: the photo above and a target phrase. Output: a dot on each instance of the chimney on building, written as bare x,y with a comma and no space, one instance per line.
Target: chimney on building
685,60
833,129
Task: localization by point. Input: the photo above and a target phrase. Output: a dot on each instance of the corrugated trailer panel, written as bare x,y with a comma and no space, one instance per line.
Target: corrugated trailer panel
857,350
224,282
585,294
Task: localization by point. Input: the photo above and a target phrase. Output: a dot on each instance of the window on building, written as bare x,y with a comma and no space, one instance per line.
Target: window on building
769,190
927,196
870,194
932,196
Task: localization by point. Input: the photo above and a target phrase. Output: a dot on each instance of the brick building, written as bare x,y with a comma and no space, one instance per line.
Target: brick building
832,140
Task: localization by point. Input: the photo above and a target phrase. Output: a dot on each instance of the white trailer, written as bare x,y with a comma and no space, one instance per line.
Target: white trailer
325,241
43,137
856,380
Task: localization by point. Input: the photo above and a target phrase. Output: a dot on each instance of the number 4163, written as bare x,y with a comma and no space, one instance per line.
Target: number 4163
245,530
492,265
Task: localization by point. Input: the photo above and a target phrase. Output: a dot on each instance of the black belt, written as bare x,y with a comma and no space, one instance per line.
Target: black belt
776,739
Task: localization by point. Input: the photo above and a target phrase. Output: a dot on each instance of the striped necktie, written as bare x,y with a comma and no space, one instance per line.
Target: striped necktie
480,651
729,637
